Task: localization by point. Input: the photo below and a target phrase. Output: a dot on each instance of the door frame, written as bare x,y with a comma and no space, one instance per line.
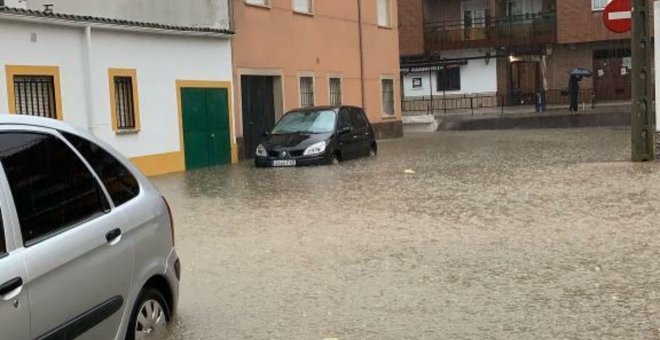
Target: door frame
207,84
276,73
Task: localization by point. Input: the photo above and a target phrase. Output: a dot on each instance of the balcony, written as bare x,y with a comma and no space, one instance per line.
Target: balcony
492,32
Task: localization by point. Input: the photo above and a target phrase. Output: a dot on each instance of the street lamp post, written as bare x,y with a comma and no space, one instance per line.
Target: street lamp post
643,117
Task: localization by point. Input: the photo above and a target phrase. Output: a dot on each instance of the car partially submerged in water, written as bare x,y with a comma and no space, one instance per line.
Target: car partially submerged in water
317,135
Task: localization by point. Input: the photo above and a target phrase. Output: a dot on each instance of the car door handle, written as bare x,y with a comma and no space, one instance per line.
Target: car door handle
9,287
356,137
113,236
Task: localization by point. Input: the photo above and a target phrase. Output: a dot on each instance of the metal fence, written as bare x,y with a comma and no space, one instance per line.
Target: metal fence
509,102
522,30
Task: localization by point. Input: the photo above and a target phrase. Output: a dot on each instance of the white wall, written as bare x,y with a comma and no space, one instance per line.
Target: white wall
159,59
16,3
476,77
205,13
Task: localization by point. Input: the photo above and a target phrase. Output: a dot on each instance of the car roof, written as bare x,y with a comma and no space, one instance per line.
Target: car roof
54,124
321,108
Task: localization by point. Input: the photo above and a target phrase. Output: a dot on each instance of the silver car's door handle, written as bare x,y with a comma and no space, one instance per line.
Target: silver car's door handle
11,288
113,236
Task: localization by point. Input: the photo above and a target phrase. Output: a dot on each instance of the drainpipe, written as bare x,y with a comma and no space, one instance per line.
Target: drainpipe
361,54
87,64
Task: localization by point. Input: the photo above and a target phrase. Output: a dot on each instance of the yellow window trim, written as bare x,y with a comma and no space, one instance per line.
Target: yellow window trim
130,73
181,84
29,70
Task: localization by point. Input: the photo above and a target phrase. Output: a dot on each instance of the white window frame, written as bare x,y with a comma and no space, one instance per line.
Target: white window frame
311,7
258,3
596,8
388,24
382,97
341,88
306,75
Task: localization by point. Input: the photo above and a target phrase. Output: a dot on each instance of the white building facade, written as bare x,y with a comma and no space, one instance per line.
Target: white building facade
449,79
130,84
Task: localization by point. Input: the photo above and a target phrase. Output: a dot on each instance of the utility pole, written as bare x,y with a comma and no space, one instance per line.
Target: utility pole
643,116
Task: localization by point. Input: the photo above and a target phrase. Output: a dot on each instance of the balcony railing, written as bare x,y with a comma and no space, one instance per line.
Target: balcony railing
509,31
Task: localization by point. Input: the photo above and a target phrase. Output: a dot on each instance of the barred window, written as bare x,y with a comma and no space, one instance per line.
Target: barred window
306,91
35,96
124,103
449,79
335,91
388,96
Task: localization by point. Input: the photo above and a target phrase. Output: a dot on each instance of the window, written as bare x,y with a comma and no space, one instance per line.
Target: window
258,2
306,91
345,119
384,13
417,83
52,188
35,96
34,90
119,182
124,100
515,8
359,120
387,86
303,6
599,5
449,79
335,91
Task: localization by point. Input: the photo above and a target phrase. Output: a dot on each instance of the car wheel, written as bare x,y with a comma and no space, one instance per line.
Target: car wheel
334,159
373,151
150,316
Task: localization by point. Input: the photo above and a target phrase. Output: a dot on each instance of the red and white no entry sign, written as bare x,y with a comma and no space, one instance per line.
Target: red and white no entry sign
618,16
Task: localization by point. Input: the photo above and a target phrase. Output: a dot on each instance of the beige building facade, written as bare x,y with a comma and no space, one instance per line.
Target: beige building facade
296,53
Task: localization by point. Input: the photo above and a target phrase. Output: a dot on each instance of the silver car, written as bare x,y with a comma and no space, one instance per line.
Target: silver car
86,241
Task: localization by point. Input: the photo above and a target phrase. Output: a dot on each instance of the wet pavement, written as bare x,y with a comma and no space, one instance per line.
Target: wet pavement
530,234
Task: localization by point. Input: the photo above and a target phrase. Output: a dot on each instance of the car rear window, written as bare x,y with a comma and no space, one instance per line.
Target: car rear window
120,183
52,188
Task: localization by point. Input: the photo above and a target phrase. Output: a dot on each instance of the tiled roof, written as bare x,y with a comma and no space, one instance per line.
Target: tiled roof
109,21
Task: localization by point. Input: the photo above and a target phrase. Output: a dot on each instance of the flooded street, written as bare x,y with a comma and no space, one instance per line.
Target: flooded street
534,234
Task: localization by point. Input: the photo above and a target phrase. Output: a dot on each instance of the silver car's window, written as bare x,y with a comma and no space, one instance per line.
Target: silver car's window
52,188
119,182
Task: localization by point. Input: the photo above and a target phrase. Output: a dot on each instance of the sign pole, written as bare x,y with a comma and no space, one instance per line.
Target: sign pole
642,117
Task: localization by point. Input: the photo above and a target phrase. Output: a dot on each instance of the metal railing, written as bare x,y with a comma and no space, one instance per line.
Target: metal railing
519,30
500,103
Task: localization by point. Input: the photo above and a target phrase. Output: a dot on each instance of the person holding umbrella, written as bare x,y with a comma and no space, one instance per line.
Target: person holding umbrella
574,87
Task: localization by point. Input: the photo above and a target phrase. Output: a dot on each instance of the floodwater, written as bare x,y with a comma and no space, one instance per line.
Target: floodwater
531,234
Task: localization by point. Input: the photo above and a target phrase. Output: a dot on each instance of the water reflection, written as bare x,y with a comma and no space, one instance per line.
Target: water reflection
498,234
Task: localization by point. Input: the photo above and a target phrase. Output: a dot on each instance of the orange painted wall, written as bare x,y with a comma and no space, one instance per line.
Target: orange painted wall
276,41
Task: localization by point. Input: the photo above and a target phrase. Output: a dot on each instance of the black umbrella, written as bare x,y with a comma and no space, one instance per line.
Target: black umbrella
581,72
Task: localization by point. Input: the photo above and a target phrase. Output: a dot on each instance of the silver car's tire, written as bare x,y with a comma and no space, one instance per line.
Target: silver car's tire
150,316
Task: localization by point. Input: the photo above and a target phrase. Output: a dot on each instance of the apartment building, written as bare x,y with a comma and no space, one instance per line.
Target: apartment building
505,52
298,53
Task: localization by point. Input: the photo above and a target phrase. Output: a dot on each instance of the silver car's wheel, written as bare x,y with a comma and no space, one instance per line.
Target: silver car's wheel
151,320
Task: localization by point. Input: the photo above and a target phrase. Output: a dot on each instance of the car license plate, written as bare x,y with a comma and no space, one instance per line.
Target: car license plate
288,162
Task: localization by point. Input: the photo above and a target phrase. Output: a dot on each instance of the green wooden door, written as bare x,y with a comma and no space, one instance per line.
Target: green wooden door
217,106
205,127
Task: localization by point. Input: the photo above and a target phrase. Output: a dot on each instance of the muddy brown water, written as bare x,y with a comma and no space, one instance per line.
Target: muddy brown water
534,234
